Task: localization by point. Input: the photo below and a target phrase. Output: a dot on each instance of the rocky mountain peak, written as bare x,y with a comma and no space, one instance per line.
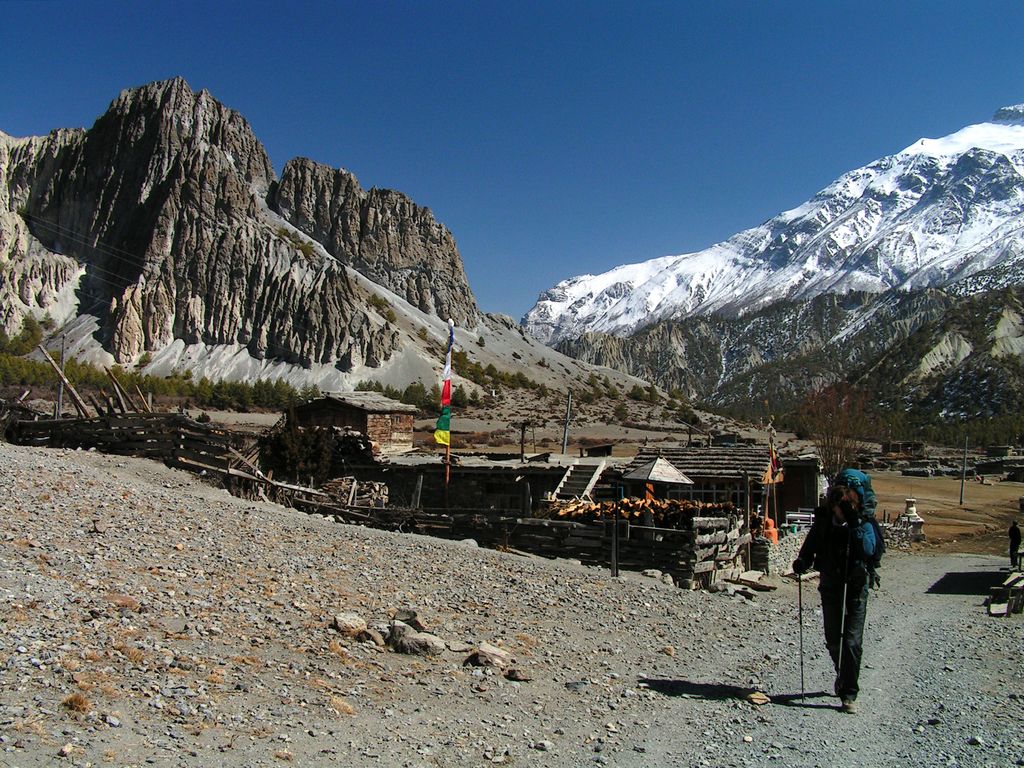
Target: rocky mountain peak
1012,115
382,234
165,222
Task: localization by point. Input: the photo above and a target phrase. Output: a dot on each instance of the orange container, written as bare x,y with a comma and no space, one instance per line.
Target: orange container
770,531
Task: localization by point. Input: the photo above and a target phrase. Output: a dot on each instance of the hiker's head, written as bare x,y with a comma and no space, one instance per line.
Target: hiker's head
844,501
860,483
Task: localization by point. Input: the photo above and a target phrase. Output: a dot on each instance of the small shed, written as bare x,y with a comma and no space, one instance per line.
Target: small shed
722,473
659,471
386,422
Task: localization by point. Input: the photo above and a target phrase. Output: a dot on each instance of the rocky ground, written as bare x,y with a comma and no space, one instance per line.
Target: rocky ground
150,619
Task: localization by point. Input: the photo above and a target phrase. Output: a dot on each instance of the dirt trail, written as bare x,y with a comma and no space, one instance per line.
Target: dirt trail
197,630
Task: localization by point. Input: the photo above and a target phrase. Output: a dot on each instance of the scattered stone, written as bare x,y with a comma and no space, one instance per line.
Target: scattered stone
410,617
371,635
349,624
487,655
405,639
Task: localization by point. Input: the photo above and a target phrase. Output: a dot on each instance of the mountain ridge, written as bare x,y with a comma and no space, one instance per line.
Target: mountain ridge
922,217
161,236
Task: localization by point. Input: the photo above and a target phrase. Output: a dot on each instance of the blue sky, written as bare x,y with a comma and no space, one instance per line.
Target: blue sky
555,138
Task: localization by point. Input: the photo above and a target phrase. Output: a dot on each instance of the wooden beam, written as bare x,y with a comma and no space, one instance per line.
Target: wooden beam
122,397
256,470
76,399
145,405
96,405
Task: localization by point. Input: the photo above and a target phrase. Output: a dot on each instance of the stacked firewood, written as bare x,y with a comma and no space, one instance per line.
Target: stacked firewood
349,493
352,446
666,513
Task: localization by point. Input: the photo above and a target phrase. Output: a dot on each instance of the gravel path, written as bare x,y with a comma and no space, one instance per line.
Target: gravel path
149,619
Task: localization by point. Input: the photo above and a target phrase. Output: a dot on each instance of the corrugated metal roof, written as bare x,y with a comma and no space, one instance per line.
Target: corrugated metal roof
660,470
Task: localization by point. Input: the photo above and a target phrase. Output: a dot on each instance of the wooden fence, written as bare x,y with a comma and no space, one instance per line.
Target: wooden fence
697,550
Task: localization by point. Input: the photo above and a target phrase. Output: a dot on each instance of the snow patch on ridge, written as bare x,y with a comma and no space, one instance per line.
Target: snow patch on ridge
933,214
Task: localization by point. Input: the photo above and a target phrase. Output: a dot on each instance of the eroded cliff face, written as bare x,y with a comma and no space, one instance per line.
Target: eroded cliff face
381,233
168,204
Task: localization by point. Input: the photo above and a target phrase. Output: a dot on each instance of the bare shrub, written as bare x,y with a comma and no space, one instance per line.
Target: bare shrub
77,702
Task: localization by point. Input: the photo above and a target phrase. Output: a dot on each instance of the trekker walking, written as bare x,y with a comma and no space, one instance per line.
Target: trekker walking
843,544
1014,534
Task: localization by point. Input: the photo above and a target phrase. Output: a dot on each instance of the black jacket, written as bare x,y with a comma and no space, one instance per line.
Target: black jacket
838,552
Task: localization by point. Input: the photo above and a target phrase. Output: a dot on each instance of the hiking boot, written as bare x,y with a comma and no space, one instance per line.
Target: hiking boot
849,706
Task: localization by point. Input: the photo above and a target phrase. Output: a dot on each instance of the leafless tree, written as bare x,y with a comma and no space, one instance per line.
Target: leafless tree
835,418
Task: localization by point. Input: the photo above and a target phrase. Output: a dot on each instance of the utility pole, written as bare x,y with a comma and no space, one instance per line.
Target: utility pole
963,473
565,429
522,439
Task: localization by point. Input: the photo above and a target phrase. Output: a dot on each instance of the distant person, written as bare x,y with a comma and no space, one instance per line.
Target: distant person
1014,534
840,545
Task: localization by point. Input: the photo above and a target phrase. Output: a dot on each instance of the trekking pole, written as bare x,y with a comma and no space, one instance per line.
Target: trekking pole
842,620
800,610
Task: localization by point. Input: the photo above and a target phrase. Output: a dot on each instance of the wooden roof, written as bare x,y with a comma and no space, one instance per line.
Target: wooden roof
713,462
660,470
371,402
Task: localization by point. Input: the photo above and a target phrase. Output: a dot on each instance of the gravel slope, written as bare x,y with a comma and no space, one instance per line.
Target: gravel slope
149,619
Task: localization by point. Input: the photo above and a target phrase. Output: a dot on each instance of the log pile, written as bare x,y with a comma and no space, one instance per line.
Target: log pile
698,543
351,493
665,513
12,411
352,446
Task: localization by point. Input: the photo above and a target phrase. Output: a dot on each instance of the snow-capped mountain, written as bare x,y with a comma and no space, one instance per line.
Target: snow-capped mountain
941,213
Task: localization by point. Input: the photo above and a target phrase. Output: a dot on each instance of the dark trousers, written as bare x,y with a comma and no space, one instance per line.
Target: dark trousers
852,630
1014,555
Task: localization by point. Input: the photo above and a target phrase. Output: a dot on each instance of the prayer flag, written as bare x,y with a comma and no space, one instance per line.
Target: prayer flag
443,430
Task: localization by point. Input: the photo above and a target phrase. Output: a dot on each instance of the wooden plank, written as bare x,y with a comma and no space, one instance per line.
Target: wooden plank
119,393
255,470
142,399
76,399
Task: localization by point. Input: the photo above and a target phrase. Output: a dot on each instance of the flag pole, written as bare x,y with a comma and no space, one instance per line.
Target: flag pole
443,432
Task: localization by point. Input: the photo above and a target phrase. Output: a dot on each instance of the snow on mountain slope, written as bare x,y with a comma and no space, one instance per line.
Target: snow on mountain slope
937,213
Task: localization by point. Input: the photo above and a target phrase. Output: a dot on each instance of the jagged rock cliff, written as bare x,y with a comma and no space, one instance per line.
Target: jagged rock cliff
162,220
381,233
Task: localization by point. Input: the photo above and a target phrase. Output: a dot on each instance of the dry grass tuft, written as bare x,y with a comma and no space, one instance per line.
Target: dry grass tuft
77,702
216,676
341,706
123,601
110,691
284,754
340,651
130,652
32,724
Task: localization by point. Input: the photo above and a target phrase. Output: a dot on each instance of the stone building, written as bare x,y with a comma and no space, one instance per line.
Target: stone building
387,422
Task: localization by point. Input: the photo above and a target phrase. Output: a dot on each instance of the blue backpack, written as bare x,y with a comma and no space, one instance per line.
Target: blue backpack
861,483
